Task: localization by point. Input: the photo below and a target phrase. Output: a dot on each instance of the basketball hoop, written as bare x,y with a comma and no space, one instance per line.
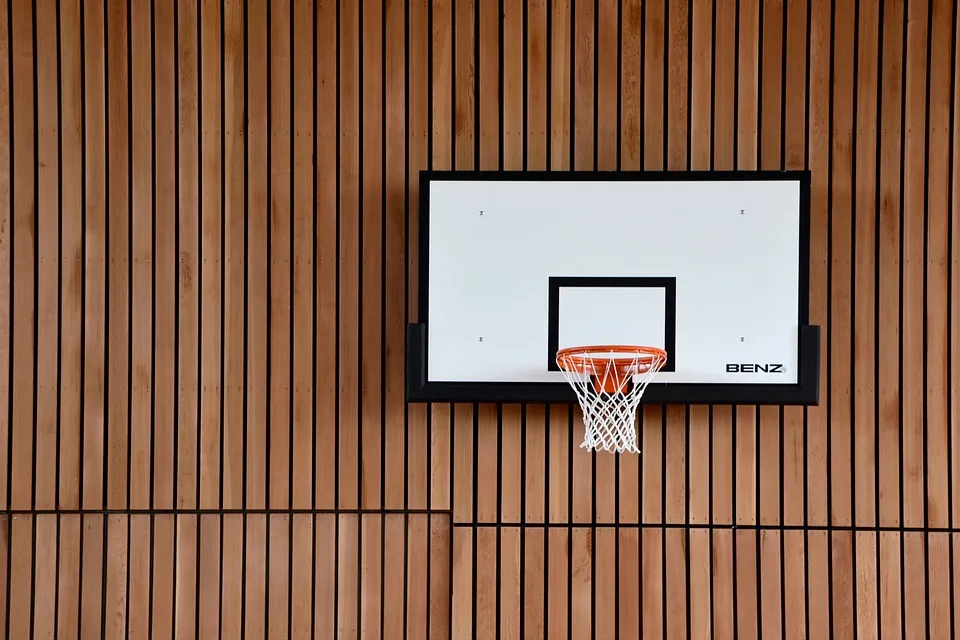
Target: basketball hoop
609,381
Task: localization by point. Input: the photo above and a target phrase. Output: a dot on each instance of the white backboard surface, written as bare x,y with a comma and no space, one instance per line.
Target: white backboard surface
730,250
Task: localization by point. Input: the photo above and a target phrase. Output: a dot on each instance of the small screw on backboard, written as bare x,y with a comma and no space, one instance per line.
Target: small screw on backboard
741,211
742,339
481,338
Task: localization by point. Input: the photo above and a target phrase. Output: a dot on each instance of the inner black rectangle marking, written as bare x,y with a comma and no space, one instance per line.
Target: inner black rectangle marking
668,284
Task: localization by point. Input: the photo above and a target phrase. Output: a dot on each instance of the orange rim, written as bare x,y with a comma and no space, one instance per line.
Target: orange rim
621,358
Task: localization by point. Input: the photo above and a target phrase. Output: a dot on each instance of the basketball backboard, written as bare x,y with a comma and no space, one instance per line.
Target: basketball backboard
710,266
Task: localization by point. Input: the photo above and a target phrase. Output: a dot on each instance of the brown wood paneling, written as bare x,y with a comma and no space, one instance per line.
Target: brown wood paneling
209,235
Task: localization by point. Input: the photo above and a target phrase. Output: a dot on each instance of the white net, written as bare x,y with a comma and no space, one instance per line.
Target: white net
609,385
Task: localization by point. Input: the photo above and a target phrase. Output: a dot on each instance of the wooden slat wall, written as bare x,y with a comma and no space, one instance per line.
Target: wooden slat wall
208,230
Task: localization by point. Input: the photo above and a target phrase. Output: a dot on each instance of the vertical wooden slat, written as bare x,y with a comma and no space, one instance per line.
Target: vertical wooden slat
487,57
159,132
415,579
303,308
164,388
399,142
141,220
488,145
938,591
652,566
560,83
116,593
954,203
628,586
512,486
91,574
651,469
68,577
44,579
20,563
915,597
605,570
118,256
485,586
678,84
326,139
71,258
511,70
487,482
843,584
818,141
189,283
21,452
748,52
254,598
558,474
700,604
723,584
403,220
187,582
676,583
441,135
795,134
794,582
258,128
348,563
534,576
866,585
746,431
912,240
302,576
231,579
278,573
208,576
745,584
558,577
955,571
234,260
771,622
891,604
395,573
139,577
462,594
47,268
888,285
935,274
581,471
325,605
675,461
349,419
582,581
211,292
865,267
463,473
6,236
768,459
163,570
441,588
723,470
279,259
